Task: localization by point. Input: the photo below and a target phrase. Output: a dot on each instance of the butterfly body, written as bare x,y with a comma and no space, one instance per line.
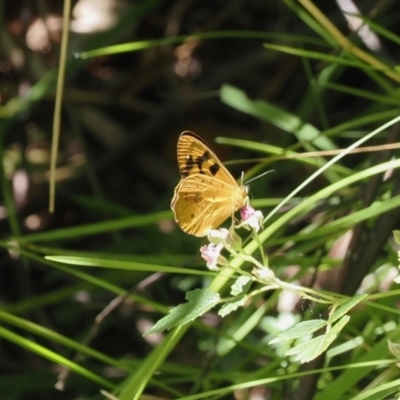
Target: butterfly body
207,193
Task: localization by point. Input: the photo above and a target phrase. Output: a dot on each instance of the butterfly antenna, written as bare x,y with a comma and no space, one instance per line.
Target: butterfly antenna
256,177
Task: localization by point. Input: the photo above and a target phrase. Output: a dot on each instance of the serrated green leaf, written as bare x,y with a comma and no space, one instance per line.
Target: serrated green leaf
335,329
301,329
308,351
232,306
346,306
199,302
241,285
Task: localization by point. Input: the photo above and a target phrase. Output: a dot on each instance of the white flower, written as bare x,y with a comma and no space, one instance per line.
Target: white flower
217,236
251,218
211,253
265,274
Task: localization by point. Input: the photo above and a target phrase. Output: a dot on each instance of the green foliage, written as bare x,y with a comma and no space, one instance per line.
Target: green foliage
82,290
199,302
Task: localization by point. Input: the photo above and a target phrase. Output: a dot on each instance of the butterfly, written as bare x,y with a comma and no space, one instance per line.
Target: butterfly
207,193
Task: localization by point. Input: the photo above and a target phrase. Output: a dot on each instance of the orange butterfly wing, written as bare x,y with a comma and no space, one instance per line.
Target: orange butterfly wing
207,193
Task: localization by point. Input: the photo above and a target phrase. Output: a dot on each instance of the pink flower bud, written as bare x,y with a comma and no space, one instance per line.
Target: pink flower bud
251,218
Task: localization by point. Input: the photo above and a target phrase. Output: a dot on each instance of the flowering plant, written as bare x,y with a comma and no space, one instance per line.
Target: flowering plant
202,300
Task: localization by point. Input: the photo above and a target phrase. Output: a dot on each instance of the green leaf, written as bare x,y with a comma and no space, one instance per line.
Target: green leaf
315,55
97,228
396,236
346,306
130,265
307,351
299,330
394,348
232,306
241,285
383,99
276,116
199,302
333,332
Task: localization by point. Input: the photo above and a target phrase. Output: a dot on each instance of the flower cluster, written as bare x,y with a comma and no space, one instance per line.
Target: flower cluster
229,239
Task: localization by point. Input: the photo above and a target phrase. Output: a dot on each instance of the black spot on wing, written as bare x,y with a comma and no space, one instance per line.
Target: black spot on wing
214,169
188,166
201,159
195,162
